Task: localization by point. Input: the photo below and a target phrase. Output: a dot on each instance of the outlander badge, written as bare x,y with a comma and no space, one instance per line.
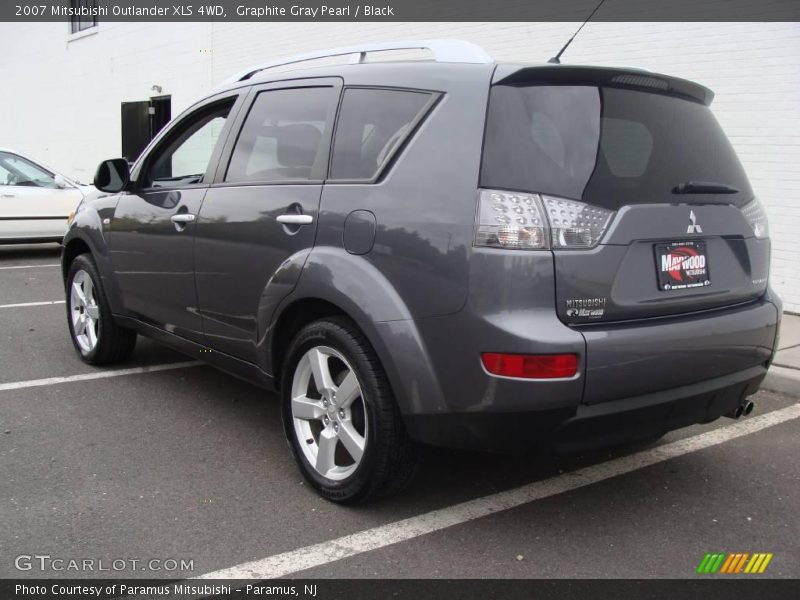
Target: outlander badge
693,226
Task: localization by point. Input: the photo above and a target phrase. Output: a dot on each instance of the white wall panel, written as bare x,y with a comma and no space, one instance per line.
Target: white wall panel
61,99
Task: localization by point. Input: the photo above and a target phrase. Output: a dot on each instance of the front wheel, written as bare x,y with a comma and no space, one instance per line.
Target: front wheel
96,337
340,418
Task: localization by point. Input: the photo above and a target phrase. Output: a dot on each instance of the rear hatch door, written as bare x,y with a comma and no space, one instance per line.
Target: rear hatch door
648,148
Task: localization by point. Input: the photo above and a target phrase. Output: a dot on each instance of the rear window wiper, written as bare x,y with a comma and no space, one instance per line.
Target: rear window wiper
703,187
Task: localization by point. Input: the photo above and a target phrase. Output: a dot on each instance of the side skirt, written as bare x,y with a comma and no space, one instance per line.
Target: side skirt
224,362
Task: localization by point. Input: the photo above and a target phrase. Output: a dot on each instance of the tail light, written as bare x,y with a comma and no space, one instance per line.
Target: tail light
756,217
533,221
531,366
509,220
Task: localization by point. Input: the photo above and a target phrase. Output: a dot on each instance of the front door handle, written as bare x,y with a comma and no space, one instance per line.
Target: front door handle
8,196
182,218
295,219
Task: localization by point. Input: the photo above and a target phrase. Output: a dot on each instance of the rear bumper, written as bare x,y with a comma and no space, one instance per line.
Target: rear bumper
635,380
649,356
590,426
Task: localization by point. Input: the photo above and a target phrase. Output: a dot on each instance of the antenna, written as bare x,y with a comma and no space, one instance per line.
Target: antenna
556,60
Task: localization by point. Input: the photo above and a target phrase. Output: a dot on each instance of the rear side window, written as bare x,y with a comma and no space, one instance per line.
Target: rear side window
373,123
283,137
603,145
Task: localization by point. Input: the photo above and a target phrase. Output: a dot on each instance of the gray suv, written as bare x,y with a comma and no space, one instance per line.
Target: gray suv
452,252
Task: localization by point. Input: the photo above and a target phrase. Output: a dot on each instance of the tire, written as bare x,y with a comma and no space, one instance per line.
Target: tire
364,417
99,341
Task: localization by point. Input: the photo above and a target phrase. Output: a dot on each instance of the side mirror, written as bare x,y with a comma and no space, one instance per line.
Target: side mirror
112,176
60,182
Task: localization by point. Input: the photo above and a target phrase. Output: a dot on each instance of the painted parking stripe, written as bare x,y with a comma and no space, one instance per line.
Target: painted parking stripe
25,304
316,555
30,266
18,385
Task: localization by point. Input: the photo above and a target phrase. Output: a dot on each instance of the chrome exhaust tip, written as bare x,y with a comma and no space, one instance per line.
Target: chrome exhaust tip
748,407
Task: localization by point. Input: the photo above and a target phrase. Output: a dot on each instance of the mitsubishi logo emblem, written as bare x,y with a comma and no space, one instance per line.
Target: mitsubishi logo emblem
693,226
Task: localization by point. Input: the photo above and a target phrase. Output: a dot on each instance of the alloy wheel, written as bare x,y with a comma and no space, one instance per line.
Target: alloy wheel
84,311
329,413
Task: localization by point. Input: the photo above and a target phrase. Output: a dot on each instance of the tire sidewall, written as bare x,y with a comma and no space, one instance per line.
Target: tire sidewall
327,333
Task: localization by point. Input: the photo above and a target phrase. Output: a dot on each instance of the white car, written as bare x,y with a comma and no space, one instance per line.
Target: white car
35,201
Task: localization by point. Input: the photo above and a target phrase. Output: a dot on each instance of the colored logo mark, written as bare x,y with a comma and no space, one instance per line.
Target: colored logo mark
740,562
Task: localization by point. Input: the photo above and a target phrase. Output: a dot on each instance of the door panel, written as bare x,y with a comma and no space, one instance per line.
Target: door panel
239,246
276,168
152,258
151,238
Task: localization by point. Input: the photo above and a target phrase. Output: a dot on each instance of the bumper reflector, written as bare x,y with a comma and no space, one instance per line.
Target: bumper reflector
531,366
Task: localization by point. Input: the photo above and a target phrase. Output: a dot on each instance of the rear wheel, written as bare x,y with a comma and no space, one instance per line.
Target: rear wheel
96,337
339,415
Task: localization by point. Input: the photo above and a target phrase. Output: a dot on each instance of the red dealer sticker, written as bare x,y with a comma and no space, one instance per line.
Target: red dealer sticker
682,265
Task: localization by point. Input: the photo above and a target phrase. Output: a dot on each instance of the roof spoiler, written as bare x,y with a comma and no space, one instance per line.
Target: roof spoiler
603,76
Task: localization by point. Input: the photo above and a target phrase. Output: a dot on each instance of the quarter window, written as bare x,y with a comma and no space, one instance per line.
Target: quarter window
373,123
283,137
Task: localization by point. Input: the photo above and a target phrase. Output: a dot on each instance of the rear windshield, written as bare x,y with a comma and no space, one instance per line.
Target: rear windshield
606,146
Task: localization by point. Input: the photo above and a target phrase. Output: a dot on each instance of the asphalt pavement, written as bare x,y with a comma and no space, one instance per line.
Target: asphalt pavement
189,464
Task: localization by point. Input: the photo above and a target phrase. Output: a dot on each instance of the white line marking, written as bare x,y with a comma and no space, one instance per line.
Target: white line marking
24,304
400,531
18,385
30,266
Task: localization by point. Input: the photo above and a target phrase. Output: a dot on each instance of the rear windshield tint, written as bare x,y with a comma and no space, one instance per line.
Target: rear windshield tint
606,146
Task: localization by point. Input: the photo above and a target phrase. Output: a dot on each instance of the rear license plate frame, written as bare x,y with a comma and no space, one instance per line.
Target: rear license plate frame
682,265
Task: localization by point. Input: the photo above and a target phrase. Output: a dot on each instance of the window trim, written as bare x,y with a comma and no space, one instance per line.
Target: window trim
249,100
144,160
434,98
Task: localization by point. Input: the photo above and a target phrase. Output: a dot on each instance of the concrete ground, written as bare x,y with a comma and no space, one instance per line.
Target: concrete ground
784,375
190,464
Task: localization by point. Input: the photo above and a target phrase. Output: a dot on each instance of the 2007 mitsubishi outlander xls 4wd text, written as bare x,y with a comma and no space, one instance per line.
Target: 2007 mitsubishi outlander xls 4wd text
452,252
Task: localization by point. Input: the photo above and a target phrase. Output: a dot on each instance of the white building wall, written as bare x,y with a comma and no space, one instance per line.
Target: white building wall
61,99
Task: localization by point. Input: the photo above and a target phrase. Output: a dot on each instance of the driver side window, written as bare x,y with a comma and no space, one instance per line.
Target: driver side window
15,170
182,158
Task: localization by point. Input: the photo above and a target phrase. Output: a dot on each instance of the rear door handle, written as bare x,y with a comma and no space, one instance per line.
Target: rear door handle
8,196
182,218
295,219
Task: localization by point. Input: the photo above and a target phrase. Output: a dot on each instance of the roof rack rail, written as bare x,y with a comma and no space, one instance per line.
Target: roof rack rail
457,51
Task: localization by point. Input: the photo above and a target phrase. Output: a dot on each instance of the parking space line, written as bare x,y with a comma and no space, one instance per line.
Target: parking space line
392,533
18,385
30,266
24,304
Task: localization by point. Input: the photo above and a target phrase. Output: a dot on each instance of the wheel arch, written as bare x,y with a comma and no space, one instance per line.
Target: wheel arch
72,249
291,320
86,234
398,345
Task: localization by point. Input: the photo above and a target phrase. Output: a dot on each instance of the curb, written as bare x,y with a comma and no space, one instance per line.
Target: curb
783,380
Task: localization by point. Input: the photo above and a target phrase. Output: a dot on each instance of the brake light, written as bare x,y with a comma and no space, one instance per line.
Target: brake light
532,221
575,224
531,366
510,220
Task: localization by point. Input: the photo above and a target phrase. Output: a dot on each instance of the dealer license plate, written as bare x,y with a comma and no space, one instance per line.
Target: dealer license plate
682,265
